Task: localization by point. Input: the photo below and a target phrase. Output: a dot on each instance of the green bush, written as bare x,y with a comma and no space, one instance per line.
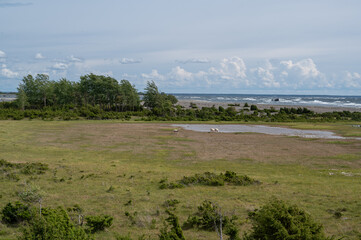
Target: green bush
175,233
171,203
277,220
232,231
210,179
164,184
209,218
10,169
98,223
254,108
53,224
12,214
34,168
206,218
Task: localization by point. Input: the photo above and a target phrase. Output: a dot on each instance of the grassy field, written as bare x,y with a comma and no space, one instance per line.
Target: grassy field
87,158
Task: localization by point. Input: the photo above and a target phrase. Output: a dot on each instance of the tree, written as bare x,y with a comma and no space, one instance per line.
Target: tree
38,90
128,97
99,90
64,92
152,95
45,87
22,99
160,103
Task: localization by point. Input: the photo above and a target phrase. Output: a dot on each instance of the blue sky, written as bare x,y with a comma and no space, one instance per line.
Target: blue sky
198,46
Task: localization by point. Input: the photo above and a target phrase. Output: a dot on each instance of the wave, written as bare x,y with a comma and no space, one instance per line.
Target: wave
291,100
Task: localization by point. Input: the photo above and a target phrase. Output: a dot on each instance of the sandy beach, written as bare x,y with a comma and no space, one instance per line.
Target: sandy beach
317,109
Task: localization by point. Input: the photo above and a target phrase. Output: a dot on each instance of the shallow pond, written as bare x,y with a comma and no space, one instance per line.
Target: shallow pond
234,128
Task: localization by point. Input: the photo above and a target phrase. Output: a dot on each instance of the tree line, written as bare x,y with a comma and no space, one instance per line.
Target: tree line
92,90
103,97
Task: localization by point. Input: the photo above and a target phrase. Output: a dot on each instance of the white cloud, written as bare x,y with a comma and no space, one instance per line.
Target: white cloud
352,80
108,73
129,61
89,64
2,54
305,67
180,74
60,66
39,56
303,74
231,72
8,73
194,60
231,68
154,75
265,75
74,59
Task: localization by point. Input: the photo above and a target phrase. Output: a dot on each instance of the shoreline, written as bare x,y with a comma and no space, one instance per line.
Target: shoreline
316,109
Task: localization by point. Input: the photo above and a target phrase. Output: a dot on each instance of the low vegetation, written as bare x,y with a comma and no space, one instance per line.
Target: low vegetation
210,179
277,220
105,176
12,171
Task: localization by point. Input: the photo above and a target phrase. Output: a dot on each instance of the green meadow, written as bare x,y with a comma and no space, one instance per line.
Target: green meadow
114,168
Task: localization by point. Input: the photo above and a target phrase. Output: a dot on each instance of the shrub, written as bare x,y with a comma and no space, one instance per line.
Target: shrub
277,220
210,179
98,223
10,170
232,231
53,224
209,218
207,178
254,108
16,213
164,184
171,203
206,218
34,168
175,233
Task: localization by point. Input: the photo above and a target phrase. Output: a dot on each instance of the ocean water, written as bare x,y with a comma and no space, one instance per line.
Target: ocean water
291,100
7,97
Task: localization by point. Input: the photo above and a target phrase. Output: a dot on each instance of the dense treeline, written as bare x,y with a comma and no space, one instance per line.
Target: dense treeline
94,90
103,97
168,112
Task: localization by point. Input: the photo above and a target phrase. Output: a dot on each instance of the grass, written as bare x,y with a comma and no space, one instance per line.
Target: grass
104,166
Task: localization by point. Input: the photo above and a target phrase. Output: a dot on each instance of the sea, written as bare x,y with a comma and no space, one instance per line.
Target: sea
7,97
289,100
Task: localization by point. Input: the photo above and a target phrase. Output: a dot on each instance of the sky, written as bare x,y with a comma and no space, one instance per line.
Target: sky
188,46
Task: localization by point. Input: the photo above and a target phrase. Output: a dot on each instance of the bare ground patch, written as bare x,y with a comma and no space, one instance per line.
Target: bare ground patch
195,146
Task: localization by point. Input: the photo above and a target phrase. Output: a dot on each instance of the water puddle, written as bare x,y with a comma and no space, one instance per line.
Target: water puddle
234,128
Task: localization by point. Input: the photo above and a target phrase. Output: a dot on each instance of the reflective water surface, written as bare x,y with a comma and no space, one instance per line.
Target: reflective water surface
233,128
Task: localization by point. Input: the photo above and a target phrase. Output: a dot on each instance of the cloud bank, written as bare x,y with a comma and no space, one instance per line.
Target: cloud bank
232,74
227,75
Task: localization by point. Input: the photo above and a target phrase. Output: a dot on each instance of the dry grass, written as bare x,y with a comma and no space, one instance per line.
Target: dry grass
91,156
